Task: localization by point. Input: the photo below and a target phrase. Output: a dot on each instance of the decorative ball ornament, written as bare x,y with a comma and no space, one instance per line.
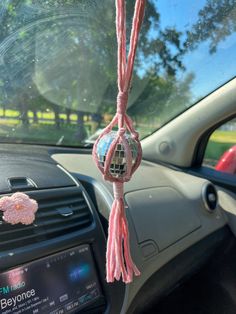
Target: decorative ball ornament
118,165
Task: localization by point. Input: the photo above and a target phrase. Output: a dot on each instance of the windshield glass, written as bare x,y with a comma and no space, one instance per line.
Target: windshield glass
58,65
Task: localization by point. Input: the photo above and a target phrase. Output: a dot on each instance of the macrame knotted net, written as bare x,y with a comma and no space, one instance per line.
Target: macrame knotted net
118,153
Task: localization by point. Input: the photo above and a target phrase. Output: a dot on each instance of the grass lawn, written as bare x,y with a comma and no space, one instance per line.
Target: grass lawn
10,113
220,141
37,134
44,131
224,137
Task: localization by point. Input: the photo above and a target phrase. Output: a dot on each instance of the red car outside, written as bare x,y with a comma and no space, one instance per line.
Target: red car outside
227,162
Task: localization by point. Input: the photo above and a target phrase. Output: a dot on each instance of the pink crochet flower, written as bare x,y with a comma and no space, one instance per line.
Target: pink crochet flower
18,208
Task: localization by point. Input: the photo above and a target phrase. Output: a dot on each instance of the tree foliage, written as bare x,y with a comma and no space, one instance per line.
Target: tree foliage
216,21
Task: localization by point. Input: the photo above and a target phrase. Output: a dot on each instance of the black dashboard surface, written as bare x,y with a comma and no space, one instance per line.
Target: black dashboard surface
19,163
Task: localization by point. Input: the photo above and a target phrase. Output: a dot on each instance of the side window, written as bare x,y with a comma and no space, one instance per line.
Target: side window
220,153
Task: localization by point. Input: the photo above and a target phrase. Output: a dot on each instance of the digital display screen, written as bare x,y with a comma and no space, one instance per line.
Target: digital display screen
62,283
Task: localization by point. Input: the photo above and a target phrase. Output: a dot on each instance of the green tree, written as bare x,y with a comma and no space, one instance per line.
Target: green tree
216,21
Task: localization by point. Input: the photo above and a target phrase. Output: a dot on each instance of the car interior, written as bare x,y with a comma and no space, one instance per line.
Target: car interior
57,91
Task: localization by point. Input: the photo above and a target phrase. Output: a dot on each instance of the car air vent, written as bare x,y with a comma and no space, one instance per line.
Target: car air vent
61,211
210,197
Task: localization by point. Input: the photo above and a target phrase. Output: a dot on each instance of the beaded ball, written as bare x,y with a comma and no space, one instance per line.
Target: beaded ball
118,167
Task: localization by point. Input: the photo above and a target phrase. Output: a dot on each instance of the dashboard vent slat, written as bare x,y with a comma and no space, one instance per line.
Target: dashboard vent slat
54,203
50,214
50,222
57,215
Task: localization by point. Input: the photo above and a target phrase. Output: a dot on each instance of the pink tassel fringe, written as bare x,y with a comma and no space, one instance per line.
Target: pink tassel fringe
119,265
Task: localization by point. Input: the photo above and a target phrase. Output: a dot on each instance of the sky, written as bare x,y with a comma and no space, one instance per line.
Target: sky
211,70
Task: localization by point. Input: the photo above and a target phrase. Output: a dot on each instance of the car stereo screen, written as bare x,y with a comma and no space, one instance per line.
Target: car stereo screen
62,283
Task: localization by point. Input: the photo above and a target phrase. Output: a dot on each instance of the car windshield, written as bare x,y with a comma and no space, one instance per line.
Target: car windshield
58,80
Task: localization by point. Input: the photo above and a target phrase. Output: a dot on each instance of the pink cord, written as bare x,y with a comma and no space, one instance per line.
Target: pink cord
119,261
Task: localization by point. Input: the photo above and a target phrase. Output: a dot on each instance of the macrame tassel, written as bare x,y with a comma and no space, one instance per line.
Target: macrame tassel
119,260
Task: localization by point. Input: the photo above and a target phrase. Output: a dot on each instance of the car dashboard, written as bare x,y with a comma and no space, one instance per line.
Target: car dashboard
176,221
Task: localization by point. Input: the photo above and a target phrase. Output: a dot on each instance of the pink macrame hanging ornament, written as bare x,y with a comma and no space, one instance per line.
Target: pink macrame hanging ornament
118,154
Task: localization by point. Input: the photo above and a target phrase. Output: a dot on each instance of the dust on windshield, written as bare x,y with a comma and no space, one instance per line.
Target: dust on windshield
58,65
